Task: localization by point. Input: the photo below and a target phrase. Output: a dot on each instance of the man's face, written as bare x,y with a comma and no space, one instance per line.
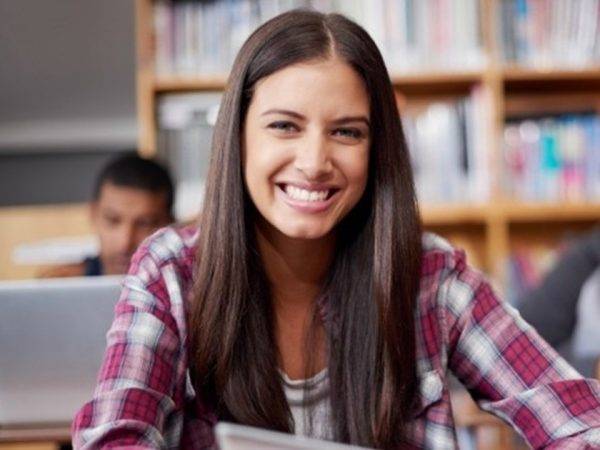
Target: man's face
123,217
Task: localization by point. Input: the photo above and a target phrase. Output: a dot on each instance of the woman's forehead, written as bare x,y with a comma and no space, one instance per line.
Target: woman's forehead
329,85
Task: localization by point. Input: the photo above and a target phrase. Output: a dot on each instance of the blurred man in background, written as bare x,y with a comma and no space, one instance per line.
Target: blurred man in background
132,198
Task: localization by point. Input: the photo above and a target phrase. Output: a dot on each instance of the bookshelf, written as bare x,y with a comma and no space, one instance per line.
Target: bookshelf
488,230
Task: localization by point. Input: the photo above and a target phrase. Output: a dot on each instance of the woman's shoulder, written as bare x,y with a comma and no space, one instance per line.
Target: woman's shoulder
161,271
445,273
173,245
439,256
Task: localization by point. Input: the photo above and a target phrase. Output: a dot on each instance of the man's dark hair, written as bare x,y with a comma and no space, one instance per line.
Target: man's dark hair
131,170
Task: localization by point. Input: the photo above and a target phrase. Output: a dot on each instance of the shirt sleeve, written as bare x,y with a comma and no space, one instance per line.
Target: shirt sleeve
511,371
133,399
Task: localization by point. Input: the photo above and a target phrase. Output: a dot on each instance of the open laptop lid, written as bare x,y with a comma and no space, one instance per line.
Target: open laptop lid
238,437
52,340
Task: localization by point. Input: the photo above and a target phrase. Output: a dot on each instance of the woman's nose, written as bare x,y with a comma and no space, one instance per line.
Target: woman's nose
313,158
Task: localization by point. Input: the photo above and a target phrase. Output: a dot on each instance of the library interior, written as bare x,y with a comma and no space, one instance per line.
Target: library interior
107,112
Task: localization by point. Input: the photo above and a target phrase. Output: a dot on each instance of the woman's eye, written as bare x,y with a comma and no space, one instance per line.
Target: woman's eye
350,133
283,126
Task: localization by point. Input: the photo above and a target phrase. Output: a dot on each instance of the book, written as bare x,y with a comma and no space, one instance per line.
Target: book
552,158
447,142
232,436
550,33
185,130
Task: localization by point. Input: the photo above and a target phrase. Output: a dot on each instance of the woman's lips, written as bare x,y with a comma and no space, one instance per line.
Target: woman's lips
307,206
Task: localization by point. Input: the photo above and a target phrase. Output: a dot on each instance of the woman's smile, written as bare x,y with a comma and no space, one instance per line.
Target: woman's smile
309,200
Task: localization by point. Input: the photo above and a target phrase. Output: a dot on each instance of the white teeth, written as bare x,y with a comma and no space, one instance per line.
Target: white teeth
305,195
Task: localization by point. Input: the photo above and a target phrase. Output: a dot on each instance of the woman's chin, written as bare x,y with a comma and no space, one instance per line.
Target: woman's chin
296,227
309,233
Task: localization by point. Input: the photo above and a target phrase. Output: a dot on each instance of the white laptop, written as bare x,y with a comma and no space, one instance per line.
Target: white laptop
52,340
238,437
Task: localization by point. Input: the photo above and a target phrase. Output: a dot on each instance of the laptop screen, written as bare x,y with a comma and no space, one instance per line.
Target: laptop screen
52,340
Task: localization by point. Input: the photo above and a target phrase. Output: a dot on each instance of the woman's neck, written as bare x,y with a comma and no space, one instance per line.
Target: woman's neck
295,268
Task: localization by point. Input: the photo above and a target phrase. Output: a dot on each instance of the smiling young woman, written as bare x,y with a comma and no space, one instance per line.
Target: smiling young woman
308,300
306,147
307,193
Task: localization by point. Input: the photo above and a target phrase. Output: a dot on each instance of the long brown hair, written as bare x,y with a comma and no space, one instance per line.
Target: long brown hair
372,283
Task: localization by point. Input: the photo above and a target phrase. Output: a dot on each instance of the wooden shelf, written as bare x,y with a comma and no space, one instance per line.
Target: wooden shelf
515,73
174,83
436,77
509,212
526,80
422,83
552,212
436,83
444,215
528,104
165,84
182,83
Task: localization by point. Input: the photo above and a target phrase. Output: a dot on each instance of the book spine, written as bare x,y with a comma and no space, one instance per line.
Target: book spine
552,159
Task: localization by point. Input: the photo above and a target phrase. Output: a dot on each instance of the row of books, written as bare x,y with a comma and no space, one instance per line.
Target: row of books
200,37
549,159
185,128
553,158
449,150
447,144
551,33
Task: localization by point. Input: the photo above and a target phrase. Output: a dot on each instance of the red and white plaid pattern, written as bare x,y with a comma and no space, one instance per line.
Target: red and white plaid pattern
144,397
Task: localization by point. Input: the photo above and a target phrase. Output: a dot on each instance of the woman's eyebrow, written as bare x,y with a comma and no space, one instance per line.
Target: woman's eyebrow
340,121
286,112
346,119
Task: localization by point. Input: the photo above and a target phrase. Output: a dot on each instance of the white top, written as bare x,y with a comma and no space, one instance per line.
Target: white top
309,404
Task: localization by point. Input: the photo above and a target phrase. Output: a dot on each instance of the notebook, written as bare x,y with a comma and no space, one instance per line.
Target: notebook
238,437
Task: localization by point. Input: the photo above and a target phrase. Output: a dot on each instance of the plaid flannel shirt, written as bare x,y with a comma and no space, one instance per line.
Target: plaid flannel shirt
144,397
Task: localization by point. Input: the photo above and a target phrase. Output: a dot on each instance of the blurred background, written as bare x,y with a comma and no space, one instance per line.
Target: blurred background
67,105
67,96
499,101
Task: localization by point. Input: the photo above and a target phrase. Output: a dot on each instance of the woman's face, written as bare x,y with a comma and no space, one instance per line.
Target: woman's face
306,146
